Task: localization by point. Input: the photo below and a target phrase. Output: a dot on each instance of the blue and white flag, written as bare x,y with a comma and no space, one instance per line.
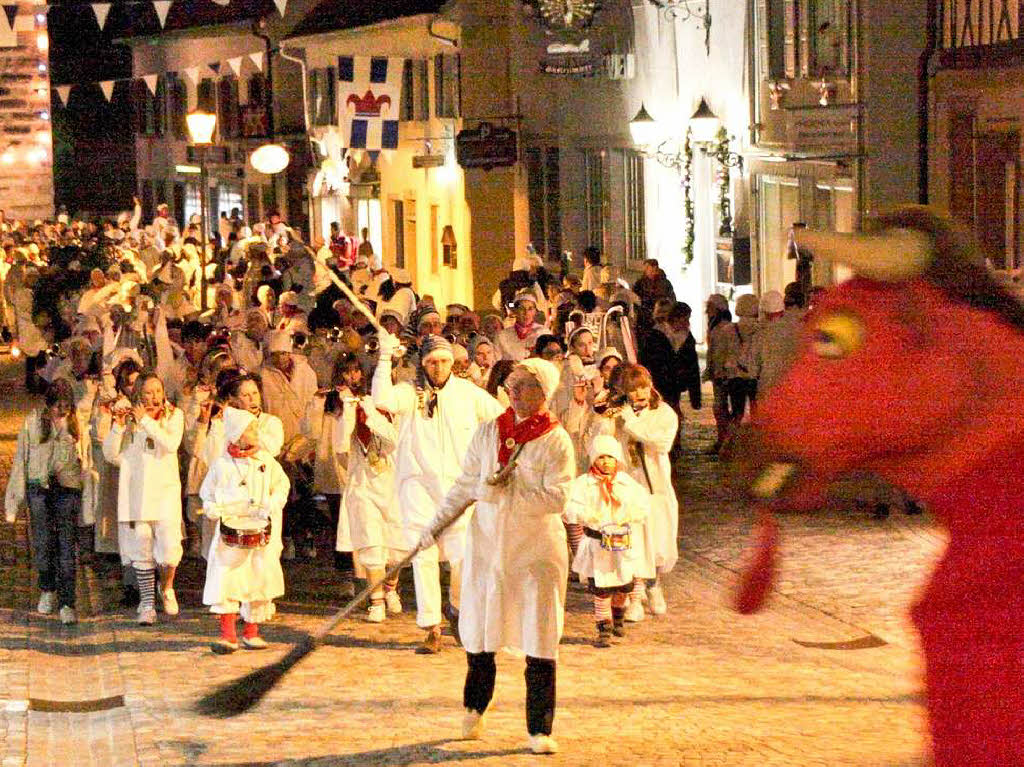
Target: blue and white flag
369,100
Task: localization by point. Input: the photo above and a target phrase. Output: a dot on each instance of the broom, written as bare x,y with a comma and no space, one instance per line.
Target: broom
239,696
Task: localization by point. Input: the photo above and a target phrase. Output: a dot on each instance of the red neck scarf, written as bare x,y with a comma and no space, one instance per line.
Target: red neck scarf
236,452
607,484
511,433
363,433
522,331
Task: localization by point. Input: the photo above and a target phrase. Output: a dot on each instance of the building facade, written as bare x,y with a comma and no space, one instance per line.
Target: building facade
975,87
26,155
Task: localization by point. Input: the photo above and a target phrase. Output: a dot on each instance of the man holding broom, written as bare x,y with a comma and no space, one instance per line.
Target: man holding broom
515,566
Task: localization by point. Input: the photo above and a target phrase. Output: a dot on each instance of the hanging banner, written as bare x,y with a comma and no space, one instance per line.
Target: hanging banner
162,7
101,10
281,4
63,93
192,73
8,37
368,100
107,86
257,59
150,81
11,12
236,65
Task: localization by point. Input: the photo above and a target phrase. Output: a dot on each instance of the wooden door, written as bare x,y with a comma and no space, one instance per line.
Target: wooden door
997,159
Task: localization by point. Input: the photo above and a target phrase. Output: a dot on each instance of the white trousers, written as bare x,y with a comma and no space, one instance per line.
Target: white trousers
426,574
151,543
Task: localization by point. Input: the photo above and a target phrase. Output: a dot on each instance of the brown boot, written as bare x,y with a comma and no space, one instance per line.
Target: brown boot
431,642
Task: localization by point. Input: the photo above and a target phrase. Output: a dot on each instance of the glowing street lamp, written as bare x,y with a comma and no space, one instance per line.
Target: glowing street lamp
200,129
270,159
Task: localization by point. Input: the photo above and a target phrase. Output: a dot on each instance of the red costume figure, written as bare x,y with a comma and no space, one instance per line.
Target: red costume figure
915,370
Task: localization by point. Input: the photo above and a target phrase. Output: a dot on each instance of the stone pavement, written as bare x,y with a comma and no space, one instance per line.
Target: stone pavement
700,686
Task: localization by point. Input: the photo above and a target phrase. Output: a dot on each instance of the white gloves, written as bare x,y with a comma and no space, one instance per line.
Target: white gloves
426,540
388,344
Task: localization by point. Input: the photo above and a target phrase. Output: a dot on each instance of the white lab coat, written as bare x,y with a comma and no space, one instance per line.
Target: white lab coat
252,577
149,487
431,450
587,507
516,565
368,504
655,429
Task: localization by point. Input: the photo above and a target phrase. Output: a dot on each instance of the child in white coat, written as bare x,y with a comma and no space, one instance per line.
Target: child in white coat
144,442
607,503
245,490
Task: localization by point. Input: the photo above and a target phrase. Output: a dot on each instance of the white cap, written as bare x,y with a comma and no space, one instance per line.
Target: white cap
236,422
547,374
605,444
279,341
288,298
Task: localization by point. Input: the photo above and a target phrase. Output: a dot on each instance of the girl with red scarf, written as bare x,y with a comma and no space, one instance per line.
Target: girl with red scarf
245,490
607,503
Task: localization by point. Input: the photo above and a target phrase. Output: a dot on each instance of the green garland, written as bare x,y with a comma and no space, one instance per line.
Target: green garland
688,212
721,154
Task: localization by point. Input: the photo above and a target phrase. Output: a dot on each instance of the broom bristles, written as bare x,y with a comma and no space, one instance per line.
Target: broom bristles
239,696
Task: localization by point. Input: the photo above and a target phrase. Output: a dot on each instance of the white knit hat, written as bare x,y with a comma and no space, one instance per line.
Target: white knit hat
235,422
605,444
547,374
279,341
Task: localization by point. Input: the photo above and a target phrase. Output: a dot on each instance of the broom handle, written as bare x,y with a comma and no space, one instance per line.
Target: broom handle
356,301
320,634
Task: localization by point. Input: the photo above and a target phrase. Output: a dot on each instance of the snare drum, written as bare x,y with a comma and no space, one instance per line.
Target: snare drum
615,537
245,532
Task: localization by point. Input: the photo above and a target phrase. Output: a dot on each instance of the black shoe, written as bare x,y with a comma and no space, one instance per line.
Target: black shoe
881,511
604,635
619,628
912,508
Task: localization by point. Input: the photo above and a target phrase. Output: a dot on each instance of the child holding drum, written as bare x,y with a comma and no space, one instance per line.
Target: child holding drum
608,503
245,491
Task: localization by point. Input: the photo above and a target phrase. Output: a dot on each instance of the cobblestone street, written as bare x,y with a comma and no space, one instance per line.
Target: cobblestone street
700,686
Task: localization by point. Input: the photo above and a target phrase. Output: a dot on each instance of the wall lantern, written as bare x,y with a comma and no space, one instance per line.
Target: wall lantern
201,126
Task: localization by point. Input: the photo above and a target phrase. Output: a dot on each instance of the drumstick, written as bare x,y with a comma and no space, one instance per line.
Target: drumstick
242,694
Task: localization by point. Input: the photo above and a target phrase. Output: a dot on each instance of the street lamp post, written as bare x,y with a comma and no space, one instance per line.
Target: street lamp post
200,129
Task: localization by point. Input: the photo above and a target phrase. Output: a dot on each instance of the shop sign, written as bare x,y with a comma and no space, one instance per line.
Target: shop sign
486,146
831,129
428,161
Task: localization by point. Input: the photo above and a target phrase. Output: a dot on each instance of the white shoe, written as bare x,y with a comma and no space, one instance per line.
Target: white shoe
147,617
543,744
47,603
656,599
67,615
288,553
393,602
472,725
254,643
376,613
634,611
170,601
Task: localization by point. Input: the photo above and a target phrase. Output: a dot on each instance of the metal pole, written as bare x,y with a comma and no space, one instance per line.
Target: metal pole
204,182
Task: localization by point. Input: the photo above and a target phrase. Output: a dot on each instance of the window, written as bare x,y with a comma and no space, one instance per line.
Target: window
229,124
446,85
269,194
635,213
594,169
206,96
415,91
252,207
399,223
229,196
177,98
542,172
805,38
435,238
323,96
192,203
257,88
